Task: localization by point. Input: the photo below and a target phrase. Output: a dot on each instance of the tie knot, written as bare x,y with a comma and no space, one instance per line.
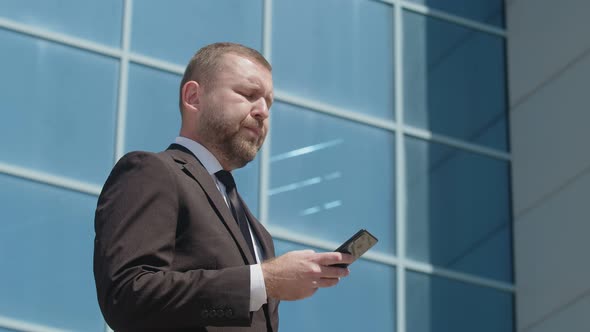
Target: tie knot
226,178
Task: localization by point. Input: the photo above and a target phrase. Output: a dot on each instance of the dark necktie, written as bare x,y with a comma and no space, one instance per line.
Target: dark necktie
236,207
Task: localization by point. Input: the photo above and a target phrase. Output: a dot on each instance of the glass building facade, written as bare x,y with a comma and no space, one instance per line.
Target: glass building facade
389,115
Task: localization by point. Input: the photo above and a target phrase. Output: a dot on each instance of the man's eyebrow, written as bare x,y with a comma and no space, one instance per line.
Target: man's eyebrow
253,80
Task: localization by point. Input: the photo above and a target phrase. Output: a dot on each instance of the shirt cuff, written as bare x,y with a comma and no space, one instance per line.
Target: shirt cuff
257,287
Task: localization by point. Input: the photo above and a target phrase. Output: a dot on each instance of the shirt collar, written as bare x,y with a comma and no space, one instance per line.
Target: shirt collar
208,160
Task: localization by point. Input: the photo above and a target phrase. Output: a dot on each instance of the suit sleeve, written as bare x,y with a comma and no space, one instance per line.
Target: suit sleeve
135,225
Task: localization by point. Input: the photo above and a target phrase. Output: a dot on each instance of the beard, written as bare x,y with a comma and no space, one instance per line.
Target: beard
228,140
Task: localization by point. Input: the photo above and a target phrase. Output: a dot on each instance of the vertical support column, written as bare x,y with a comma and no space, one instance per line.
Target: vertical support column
265,151
123,85
123,80
400,176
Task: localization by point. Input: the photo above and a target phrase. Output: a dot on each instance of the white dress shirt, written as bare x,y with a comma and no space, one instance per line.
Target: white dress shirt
212,165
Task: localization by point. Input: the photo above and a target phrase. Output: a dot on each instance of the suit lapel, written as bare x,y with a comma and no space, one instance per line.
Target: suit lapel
262,236
193,168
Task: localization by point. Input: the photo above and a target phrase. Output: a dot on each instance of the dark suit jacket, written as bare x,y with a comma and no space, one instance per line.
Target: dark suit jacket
168,253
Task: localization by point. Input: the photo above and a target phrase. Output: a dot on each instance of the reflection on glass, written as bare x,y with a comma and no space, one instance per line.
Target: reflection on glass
46,241
454,81
99,21
304,183
190,25
307,149
336,51
58,108
331,177
363,301
436,304
458,210
485,11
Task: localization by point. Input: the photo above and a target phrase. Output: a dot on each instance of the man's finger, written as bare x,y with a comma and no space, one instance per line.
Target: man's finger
333,272
330,258
326,282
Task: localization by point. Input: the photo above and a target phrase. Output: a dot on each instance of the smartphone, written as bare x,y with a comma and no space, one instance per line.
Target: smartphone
357,245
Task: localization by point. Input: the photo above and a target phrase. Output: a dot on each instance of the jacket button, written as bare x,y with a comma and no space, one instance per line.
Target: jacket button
204,313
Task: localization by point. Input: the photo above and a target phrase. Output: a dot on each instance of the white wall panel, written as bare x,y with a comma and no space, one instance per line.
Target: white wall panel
551,253
549,137
572,318
544,35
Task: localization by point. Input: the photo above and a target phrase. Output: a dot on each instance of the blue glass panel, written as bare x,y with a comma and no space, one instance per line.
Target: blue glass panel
58,107
248,181
436,304
187,25
455,81
330,177
46,243
6,330
458,210
153,122
363,301
336,51
153,116
485,11
99,21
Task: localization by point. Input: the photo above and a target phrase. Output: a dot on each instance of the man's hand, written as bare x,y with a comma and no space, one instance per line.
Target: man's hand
298,274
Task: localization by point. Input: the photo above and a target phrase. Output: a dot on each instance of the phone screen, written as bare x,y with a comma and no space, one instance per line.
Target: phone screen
357,245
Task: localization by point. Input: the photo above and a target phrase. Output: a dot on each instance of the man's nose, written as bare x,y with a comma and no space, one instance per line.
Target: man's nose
260,109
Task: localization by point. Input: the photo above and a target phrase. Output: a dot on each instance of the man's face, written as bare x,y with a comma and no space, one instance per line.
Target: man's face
235,105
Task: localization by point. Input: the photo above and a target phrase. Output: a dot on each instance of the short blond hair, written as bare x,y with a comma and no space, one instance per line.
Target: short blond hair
207,60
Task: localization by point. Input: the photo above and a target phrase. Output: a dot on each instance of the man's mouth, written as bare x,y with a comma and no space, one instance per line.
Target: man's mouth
255,130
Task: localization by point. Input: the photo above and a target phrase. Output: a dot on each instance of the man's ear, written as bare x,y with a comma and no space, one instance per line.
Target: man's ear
191,93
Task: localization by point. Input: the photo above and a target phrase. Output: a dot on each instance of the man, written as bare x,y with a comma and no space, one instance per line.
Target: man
176,248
